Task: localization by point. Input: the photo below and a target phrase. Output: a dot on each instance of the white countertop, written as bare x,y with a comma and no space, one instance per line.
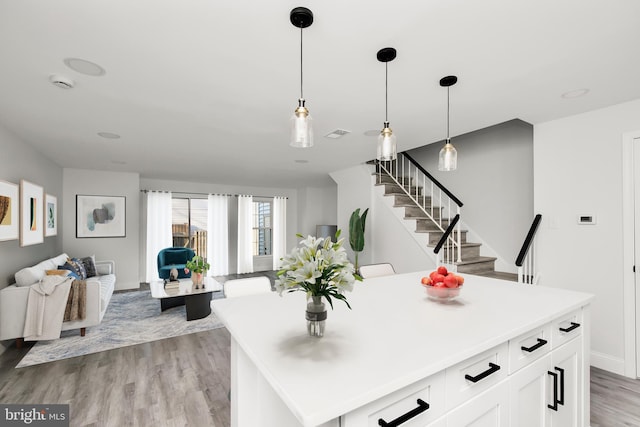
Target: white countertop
393,337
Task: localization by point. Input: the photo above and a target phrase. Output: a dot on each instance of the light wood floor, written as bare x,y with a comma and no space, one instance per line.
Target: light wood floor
185,380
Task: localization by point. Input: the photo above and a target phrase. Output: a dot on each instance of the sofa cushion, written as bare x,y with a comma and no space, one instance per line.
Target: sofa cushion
76,268
89,264
29,275
57,272
175,257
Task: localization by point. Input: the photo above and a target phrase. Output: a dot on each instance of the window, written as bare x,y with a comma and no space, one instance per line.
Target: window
261,228
189,224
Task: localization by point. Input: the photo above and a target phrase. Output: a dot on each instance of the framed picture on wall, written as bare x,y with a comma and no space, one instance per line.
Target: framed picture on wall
100,216
9,211
50,215
31,213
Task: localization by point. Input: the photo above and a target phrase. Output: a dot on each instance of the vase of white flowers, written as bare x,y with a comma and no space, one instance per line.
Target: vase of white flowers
320,268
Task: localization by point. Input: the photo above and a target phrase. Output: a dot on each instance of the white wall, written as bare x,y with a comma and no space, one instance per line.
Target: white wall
494,180
577,170
123,250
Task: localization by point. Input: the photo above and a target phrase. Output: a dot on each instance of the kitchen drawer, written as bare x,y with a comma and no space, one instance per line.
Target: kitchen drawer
404,403
566,327
529,347
476,374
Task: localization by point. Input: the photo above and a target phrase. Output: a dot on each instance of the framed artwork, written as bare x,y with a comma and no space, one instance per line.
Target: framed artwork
50,215
31,213
9,211
100,216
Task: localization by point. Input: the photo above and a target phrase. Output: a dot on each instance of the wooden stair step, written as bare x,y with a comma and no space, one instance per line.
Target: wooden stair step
512,277
475,265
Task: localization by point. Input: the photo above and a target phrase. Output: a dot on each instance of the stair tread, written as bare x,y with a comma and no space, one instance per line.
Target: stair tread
476,260
513,277
438,231
464,245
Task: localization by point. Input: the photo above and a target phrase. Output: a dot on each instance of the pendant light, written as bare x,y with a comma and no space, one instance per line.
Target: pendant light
386,139
448,158
301,123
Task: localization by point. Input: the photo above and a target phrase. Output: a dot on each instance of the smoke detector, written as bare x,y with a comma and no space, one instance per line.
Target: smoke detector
61,81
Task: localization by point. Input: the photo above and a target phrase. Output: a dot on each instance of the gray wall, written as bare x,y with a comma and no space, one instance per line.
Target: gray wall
494,180
19,161
123,250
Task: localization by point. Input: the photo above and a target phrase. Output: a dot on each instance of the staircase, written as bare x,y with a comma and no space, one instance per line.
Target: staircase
434,222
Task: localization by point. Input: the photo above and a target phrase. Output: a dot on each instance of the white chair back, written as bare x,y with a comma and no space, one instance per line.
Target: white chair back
248,286
376,270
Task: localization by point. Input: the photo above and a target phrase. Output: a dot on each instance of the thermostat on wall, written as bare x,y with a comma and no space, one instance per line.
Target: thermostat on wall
586,219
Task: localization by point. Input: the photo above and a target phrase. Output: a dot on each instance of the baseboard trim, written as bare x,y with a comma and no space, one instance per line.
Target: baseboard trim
608,363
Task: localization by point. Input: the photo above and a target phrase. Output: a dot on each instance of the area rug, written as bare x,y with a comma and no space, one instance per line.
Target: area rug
131,318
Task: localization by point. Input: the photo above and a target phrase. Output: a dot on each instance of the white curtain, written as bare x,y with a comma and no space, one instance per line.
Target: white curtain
158,230
245,234
218,234
279,230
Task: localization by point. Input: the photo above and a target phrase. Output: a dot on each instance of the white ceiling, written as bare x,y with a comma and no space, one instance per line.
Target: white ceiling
203,90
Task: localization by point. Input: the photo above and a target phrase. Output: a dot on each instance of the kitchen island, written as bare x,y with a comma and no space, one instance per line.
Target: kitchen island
501,354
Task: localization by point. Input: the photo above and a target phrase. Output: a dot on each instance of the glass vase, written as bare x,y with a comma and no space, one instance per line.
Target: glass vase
316,316
197,279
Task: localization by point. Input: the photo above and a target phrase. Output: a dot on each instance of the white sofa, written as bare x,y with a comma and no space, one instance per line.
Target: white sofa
13,298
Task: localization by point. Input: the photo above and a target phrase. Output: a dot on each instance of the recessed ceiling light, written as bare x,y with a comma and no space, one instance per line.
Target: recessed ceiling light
84,67
575,93
337,134
301,161
372,132
109,135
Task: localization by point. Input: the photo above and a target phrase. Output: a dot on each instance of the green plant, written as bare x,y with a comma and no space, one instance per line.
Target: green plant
197,264
318,267
356,231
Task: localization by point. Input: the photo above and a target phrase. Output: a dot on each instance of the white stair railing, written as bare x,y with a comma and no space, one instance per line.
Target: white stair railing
527,270
438,204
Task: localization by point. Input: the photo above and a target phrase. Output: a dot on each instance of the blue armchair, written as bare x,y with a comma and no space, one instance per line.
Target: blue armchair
177,258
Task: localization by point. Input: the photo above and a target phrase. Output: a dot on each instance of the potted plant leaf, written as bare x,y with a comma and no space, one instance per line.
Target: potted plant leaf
356,232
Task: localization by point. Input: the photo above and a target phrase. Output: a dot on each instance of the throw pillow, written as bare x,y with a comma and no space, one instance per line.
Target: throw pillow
57,272
75,266
89,264
71,270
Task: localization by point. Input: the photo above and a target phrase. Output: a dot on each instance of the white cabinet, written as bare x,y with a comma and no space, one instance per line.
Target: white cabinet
569,385
489,409
528,391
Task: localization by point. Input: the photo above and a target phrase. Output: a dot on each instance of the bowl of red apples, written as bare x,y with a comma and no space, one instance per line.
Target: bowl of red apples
442,285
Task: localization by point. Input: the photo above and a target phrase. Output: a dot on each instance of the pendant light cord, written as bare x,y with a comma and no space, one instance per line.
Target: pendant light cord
301,93
386,92
448,114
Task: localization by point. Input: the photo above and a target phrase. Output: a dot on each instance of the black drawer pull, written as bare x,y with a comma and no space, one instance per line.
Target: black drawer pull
534,347
573,326
561,399
554,405
422,406
492,368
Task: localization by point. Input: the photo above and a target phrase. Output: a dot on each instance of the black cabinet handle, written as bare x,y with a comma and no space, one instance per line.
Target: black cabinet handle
534,347
554,405
492,368
561,399
573,326
422,406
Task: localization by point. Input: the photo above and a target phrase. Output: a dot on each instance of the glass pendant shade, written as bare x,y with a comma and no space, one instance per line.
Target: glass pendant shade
301,127
386,144
448,158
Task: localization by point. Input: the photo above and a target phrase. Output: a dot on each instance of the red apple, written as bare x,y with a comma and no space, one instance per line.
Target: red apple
426,281
442,270
451,281
437,278
460,280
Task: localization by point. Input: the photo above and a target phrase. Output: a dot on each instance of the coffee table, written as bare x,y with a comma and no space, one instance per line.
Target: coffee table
196,301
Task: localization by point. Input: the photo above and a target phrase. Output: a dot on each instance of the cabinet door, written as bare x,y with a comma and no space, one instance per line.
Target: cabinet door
528,395
488,409
566,361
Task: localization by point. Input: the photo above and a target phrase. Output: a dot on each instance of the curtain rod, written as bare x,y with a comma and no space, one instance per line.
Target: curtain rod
206,194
